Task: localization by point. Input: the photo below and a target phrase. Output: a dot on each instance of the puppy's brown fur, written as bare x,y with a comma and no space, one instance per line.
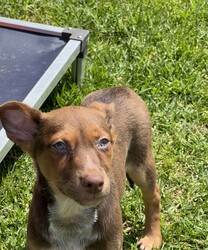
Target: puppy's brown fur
82,155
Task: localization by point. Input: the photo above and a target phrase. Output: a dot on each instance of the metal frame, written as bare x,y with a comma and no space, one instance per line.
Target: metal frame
74,53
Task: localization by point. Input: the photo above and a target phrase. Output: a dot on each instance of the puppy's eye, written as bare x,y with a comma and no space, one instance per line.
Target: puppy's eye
103,143
60,146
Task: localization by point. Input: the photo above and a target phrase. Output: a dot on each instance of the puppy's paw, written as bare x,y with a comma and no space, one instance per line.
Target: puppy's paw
150,241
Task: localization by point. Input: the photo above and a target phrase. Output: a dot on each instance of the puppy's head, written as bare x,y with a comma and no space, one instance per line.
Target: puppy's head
72,147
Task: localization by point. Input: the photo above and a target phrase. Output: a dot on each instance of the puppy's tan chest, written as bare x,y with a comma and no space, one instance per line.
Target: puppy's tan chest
71,226
77,240
71,246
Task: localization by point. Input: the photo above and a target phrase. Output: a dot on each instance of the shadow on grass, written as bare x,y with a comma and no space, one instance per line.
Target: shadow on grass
7,164
131,237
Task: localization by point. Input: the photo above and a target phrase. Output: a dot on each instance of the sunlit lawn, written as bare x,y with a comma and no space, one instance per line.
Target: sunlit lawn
159,49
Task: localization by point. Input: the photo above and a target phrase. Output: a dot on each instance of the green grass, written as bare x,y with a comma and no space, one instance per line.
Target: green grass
160,49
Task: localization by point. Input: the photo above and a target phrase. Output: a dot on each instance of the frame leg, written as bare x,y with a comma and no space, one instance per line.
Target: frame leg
78,67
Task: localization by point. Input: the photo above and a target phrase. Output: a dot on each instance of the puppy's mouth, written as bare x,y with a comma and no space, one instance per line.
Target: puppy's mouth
89,203
85,199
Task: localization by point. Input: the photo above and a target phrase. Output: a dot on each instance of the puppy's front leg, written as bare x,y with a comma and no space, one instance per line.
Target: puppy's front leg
151,235
109,227
108,245
144,176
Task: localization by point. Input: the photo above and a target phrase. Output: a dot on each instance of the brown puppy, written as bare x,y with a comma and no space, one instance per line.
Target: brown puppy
82,155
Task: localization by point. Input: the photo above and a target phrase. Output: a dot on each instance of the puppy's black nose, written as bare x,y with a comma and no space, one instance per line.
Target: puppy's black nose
93,183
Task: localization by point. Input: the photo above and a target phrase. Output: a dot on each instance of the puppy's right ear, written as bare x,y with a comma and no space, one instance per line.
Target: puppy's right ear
106,109
21,123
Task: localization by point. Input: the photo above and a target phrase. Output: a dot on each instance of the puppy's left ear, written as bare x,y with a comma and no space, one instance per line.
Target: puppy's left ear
106,109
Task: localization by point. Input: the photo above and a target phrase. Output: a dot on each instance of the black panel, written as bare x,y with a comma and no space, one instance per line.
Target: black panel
24,57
